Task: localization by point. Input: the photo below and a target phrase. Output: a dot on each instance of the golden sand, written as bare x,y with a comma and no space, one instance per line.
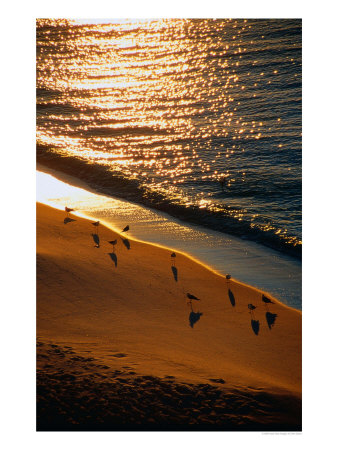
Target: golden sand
124,311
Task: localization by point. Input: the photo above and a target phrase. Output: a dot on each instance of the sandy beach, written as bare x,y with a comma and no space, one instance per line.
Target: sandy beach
119,347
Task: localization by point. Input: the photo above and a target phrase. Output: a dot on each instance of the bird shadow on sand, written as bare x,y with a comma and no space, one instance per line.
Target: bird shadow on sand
175,272
231,297
126,243
194,316
96,239
113,258
255,326
68,220
270,319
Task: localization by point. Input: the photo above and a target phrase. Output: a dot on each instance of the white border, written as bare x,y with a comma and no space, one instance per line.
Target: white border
18,221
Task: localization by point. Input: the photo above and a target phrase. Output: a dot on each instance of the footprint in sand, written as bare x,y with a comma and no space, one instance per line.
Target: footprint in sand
119,355
217,380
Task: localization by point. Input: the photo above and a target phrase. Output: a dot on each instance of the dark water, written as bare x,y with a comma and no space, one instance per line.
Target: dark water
200,118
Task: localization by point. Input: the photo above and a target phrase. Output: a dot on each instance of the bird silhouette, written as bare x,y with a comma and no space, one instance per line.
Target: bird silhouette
96,224
228,276
192,297
125,229
251,311
266,299
173,259
114,242
68,210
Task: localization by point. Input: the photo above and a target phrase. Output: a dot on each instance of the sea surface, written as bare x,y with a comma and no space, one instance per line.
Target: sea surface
197,118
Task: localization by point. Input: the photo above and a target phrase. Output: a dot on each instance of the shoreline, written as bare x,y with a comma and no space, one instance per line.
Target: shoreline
123,323
129,192
187,256
252,263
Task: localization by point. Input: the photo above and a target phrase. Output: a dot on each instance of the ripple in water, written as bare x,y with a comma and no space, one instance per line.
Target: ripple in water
200,118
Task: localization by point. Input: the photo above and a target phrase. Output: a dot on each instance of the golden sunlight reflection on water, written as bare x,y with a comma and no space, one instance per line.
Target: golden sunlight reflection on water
168,104
134,66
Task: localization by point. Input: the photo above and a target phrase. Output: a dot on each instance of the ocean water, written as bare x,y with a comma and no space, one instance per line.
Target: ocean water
197,118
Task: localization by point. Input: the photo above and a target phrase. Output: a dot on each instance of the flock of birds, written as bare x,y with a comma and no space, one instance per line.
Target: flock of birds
96,225
114,242
265,300
191,297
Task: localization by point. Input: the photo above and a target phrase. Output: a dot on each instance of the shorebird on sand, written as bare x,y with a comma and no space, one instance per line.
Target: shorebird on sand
266,300
113,243
251,311
192,297
96,224
173,257
68,210
125,229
